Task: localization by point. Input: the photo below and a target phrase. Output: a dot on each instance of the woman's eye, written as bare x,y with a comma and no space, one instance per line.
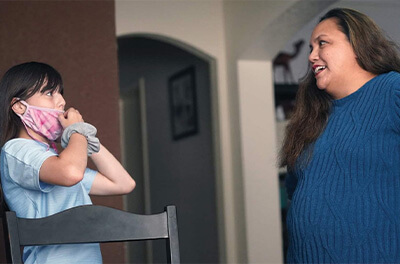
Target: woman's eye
49,94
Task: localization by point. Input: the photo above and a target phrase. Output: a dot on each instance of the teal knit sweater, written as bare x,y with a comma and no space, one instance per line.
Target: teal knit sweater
346,202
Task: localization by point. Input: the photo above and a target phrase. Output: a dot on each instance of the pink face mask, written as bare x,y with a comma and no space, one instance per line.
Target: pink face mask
43,121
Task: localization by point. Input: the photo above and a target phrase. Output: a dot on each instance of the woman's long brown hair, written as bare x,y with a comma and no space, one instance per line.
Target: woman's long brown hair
375,54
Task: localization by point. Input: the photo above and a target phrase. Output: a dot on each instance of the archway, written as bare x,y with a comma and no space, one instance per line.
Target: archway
169,170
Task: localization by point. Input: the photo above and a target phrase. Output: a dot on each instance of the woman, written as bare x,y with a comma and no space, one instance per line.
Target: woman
342,146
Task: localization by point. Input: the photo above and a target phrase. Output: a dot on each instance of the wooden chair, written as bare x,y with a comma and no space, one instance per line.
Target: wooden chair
5,256
93,224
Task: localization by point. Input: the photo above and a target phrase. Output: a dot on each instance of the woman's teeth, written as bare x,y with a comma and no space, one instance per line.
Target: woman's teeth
318,69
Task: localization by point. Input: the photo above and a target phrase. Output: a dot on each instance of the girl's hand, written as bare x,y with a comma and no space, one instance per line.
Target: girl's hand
69,117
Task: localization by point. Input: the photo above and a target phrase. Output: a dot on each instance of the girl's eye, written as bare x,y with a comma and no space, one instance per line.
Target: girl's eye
49,94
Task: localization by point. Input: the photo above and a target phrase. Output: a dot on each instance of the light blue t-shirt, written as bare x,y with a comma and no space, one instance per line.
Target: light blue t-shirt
29,197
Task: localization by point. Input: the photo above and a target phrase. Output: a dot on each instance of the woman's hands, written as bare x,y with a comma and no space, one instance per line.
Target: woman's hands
69,117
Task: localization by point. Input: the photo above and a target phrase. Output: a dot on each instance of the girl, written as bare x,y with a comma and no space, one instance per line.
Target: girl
36,180
342,146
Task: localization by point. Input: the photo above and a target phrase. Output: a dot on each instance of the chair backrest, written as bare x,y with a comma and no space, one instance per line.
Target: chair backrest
82,225
4,243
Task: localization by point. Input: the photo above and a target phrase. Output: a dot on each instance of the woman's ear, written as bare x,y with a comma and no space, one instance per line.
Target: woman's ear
18,107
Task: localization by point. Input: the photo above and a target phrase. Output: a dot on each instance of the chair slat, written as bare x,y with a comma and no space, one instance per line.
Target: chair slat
115,225
94,224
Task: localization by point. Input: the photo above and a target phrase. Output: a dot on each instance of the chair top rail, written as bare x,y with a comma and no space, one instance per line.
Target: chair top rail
92,224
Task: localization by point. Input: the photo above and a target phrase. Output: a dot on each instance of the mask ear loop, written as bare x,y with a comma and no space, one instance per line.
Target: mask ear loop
16,101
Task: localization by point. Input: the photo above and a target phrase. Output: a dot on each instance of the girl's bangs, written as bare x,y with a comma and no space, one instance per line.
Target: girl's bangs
53,83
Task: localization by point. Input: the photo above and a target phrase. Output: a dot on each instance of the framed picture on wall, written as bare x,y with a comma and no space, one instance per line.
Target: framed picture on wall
182,102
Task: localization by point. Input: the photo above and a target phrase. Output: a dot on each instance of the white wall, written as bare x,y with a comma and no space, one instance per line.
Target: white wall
235,34
259,184
227,31
249,57
257,30
245,22
199,24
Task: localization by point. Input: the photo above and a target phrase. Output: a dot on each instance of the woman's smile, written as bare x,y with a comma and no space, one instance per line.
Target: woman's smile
317,69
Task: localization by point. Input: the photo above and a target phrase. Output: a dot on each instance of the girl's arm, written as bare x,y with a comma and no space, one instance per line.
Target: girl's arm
68,167
112,178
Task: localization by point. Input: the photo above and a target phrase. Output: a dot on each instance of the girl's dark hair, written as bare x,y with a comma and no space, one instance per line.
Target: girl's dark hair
375,54
22,81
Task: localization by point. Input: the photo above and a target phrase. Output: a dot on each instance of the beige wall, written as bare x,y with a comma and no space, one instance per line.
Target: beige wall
246,21
250,55
236,34
260,176
202,25
198,27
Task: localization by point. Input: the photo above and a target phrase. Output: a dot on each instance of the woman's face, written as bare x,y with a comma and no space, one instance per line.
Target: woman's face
332,59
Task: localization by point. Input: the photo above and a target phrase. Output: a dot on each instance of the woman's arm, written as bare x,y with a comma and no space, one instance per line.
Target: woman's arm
112,178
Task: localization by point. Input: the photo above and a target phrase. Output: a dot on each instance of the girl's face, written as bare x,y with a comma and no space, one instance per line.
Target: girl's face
332,59
53,100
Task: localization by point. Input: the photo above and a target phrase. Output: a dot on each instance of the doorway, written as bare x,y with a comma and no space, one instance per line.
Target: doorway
168,169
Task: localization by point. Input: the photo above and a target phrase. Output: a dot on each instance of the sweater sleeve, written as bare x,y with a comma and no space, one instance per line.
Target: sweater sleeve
395,99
